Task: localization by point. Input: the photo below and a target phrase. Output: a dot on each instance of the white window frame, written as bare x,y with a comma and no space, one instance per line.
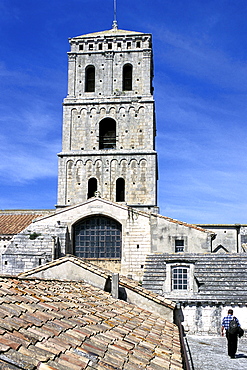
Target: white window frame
180,278
191,285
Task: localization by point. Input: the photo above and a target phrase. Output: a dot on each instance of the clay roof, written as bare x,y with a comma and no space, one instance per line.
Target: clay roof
51,324
13,222
100,271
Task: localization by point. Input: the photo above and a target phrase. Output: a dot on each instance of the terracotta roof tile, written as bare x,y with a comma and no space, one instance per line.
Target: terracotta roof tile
85,329
11,224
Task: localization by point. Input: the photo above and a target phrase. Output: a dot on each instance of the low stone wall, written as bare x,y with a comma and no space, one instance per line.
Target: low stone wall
207,319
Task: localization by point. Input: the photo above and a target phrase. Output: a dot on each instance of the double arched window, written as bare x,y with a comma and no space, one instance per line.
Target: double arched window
107,134
127,77
90,79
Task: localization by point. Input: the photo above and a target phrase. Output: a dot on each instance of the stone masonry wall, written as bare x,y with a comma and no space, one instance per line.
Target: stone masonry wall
204,320
34,246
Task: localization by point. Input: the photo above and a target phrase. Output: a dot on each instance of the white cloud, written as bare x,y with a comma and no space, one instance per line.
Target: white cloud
195,56
28,145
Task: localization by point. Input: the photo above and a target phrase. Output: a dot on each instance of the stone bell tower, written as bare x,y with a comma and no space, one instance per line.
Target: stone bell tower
108,147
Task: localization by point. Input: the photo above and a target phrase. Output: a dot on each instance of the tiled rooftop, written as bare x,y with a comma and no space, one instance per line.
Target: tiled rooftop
13,222
100,271
51,324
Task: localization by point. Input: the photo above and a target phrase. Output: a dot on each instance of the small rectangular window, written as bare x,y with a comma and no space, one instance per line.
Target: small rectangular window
180,278
110,45
128,45
138,44
100,46
179,245
119,45
90,46
81,47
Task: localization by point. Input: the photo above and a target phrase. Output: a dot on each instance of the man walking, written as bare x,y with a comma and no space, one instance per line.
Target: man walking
232,338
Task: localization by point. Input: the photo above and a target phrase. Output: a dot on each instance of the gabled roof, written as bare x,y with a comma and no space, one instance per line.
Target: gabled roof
134,210
85,272
192,226
13,222
73,325
112,32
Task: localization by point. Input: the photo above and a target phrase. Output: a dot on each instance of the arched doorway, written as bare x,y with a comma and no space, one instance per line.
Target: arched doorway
98,237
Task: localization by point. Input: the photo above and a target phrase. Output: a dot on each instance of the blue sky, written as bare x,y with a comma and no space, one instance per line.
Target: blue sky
200,54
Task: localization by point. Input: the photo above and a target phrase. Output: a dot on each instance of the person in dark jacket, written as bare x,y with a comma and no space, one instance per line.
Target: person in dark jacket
232,339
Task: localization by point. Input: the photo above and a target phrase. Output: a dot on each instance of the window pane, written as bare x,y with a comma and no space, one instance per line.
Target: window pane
102,239
180,278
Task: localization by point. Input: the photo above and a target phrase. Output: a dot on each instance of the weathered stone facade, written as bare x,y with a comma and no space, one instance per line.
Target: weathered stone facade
53,236
108,122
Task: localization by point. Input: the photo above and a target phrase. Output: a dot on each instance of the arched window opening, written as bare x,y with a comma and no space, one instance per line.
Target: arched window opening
92,187
127,77
120,190
90,79
107,134
98,237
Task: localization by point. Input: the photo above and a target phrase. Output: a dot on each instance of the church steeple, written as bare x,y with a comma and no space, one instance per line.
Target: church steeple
108,124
